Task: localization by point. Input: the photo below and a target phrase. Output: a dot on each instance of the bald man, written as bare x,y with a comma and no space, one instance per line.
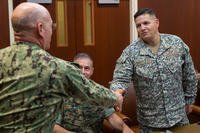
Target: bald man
33,83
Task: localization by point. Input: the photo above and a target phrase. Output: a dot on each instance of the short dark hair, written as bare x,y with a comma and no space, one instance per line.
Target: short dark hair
144,11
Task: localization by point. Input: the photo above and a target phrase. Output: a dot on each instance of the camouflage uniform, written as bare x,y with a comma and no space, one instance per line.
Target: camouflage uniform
164,82
33,86
82,118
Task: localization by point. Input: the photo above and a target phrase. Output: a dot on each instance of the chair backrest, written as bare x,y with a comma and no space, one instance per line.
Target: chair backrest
129,109
129,104
197,100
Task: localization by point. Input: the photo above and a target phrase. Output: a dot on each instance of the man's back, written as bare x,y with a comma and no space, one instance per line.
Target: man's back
26,89
33,84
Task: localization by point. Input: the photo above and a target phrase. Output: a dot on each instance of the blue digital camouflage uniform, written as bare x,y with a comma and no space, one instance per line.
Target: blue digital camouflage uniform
164,82
33,85
82,118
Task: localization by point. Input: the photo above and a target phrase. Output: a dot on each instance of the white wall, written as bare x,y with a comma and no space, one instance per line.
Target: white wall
10,9
133,9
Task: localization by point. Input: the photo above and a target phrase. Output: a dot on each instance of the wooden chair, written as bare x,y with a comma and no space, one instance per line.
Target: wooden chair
128,114
194,116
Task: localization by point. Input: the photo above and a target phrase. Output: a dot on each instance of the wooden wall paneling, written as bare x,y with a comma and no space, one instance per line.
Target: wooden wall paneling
111,37
65,53
68,52
17,2
4,24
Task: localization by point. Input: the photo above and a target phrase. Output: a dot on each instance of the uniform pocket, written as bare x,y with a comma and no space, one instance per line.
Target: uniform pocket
145,67
174,65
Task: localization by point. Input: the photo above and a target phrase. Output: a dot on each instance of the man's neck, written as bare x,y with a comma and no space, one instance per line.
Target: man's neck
154,44
19,37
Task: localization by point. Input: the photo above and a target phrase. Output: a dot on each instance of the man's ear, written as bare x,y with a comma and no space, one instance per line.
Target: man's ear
40,34
40,29
157,22
92,70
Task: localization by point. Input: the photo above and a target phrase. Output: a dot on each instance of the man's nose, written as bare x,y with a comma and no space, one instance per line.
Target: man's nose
83,70
142,27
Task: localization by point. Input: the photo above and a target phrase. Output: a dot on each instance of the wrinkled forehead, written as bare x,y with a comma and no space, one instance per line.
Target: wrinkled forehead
84,62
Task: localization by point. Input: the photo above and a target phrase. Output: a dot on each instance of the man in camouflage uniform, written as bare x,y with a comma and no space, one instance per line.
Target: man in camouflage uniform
34,83
162,72
85,118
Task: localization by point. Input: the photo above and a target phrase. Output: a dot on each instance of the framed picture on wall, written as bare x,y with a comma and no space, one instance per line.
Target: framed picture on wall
40,1
108,1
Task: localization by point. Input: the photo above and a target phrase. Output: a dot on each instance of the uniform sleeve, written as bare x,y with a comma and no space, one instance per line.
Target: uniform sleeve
86,90
189,77
123,71
59,119
107,112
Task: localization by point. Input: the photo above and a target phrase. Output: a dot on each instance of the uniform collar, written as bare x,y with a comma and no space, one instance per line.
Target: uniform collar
145,50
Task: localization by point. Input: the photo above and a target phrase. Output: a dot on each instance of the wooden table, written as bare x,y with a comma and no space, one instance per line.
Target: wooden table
192,128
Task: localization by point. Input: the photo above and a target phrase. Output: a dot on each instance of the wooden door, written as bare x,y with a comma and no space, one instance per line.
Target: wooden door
64,52
111,34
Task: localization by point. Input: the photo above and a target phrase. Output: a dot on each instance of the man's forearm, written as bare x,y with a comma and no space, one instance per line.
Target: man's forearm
59,129
117,123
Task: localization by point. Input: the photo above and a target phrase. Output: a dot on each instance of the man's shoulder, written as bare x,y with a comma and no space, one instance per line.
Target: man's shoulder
169,36
174,41
65,64
134,47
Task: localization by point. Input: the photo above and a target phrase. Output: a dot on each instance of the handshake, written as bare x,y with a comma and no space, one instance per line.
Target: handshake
120,97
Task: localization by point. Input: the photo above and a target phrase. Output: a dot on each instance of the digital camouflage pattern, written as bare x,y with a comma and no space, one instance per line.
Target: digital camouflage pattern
164,82
33,85
82,118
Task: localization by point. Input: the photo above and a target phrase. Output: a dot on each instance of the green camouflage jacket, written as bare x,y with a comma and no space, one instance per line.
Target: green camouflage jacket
82,118
33,85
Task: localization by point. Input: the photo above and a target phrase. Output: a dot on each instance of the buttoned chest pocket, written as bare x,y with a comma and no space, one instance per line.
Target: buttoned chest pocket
173,63
145,68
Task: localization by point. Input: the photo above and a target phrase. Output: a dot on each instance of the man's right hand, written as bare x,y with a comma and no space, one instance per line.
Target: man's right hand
119,94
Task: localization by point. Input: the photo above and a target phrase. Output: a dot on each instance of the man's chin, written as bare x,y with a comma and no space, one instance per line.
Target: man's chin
145,39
